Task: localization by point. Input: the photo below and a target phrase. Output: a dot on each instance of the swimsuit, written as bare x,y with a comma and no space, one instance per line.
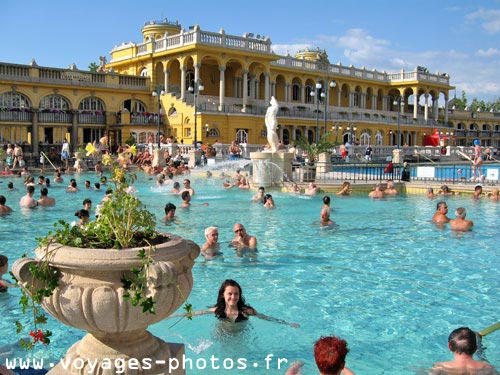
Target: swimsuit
239,318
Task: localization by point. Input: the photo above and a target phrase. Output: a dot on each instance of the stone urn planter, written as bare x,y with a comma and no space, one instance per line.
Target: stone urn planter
89,296
80,155
211,152
307,173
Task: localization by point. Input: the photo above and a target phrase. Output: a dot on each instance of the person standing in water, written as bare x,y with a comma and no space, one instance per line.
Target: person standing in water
232,307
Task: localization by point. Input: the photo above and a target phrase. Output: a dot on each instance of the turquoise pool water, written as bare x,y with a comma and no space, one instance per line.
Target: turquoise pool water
386,279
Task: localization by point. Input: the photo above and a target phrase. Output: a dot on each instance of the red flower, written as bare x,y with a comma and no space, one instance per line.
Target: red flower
38,336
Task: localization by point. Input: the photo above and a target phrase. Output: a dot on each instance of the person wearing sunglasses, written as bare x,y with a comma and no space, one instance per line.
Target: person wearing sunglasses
242,239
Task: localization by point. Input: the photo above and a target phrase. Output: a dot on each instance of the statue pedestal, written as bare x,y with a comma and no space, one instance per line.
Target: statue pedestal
396,156
158,159
271,168
194,158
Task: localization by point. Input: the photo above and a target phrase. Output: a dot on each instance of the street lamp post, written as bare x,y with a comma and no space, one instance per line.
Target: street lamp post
316,95
326,99
337,127
398,103
195,88
351,129
158,93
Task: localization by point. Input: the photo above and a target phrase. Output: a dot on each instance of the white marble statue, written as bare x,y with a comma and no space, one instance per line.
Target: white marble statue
272,124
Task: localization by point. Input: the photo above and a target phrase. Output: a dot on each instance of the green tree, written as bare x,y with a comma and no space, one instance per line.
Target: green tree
461,103
313,149
93,67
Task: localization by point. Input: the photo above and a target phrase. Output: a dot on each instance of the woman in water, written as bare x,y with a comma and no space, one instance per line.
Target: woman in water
231,306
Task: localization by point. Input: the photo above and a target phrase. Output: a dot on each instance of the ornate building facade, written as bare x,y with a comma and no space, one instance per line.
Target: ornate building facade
212,86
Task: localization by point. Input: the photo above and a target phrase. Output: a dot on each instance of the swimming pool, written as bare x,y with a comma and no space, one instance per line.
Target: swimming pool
386,279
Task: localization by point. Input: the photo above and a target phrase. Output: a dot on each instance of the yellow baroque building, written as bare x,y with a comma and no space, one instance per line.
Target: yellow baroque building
206,86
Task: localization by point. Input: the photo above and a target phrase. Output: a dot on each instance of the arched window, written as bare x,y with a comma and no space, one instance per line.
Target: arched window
172,111
241,136
144,72
213,133
133,106
54,102
309,98
13,99
91,104
379,138
296,92
364,139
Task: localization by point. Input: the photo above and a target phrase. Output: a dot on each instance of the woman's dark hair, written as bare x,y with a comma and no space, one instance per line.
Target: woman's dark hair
169,207
177,185
326,199
220,306
3,260
2,200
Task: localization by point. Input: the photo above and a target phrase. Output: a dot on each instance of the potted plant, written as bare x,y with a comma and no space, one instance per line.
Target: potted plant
313,151
112,277
80,152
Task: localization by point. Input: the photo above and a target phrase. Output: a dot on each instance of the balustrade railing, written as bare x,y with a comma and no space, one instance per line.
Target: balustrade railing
90,118
16,116
55,117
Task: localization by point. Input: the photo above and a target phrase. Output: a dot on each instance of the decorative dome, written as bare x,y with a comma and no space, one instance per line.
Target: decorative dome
160,28
313,54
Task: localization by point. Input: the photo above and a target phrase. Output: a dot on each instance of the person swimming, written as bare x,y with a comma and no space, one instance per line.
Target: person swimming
232,307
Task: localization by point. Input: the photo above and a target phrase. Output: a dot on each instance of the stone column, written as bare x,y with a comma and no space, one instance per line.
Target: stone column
197,67
222,85
245,89
426,107
415,106
236,87
34,133
74,131
252,87
183,83
287,92
267,97
435,108
446,110
166,79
